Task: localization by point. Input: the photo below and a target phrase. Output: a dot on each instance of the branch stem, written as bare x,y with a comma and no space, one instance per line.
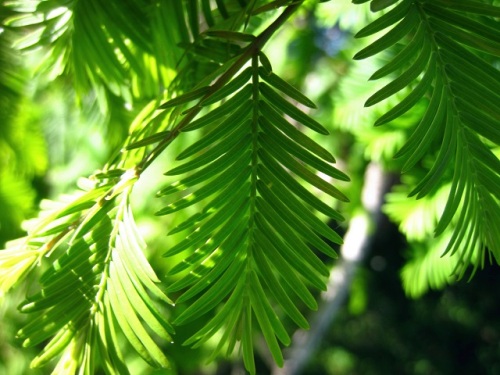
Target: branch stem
250,51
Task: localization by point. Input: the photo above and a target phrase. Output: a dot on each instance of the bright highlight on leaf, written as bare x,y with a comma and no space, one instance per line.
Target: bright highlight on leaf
100,286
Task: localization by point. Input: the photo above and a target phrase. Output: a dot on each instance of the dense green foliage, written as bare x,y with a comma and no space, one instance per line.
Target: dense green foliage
201,89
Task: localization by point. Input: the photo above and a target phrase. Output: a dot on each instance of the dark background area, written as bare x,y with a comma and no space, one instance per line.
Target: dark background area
453,331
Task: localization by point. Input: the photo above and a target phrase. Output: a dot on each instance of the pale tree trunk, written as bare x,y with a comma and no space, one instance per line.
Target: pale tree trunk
357,242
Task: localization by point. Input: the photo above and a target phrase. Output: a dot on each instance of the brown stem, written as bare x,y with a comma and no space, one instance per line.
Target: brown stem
253,48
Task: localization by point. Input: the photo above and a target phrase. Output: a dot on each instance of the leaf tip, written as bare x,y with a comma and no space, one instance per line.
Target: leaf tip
358,56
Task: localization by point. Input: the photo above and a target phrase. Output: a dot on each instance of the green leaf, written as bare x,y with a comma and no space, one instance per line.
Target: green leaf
466,23
277,290
132,328
291,147
295,222
295,187
273,117
204,251
292,258
214,295
405,55
471,7
140,301
285,87
219,166
289,235
388,19
403,28
234,303
378,5
230,35
413,97
239,98
300,170
291,201
260,308
266,64
236,83
275,100
201,236
247,340
154,353
236,177
285,271
204,259
240,141
404,79
160,136
233,126
426,131
190,222
443,159
50,322
55,346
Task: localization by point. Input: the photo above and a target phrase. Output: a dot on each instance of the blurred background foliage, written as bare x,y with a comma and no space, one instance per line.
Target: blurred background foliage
56,126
